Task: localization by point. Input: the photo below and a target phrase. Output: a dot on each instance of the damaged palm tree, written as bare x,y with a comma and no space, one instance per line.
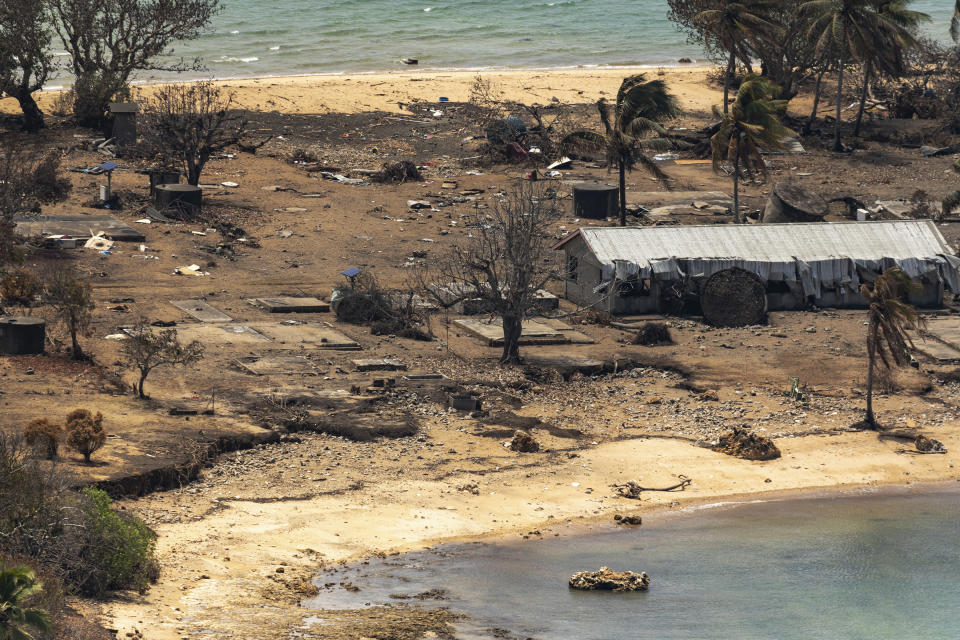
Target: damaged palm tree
752,124
889,319
502,262
641,104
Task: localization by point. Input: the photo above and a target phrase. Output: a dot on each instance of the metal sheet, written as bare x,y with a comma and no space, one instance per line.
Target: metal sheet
816,253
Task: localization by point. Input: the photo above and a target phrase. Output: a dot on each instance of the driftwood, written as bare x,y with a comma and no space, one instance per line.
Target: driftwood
632,489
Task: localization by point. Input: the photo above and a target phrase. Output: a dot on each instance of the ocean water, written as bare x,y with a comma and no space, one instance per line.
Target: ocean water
852,568
253,38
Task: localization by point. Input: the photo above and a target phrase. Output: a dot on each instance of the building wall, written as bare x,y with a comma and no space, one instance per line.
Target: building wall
589,274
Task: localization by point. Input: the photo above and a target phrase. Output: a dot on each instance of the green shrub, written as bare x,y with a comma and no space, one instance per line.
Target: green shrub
117,550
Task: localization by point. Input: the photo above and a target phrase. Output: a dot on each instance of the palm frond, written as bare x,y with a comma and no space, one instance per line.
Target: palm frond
584,140
955,23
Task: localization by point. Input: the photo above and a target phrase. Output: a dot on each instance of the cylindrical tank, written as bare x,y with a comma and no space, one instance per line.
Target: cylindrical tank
162,176
19,336
595,201
179,196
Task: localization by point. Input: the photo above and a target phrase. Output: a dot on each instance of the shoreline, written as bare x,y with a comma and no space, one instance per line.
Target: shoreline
693,65
304,536
385,91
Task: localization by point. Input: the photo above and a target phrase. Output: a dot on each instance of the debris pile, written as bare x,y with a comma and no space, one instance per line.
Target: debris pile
742,443
607,580
398,173
653,333
928,445
523,442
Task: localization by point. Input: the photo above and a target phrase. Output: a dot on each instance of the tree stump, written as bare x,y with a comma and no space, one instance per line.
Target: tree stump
595,201
789,202
19,336
182,197
733,298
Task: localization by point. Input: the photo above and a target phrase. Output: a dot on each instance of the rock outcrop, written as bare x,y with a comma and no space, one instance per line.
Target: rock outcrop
607,580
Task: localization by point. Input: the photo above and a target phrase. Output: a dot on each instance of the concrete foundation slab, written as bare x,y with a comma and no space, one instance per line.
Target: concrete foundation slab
221,334
538,331
294,336
200,310
78,226
277,365
383,364
291,305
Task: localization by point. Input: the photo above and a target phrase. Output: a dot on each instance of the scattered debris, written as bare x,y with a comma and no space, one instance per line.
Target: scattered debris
631,520
928,445
652,333
742,443
398,173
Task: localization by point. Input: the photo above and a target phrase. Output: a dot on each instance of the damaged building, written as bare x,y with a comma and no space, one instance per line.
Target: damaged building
636,270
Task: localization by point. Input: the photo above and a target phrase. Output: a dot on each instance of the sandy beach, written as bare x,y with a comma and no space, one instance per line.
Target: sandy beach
346,93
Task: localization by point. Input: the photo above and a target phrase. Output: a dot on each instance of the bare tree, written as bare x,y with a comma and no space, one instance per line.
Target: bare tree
147,350
72,302
109,40
25,60
187,123
27,180
503,261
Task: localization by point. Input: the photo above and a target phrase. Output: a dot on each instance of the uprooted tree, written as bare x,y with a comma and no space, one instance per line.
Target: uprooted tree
145,350
25,57
503,262
187,123
109,40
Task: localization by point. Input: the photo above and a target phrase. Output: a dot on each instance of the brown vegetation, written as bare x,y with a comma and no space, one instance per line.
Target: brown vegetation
85,433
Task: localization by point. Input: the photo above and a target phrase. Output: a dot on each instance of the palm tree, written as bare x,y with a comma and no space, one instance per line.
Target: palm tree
851,29
736,27
753,123
889,318
955,23
641,104
17,584
896,29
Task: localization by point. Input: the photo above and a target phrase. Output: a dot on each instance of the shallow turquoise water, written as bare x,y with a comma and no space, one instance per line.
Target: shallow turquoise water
871,567
284,37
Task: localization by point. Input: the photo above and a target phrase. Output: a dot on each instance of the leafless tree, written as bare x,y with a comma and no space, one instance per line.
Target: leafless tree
503,261
71,300
147,350
25,59
109,40
187,123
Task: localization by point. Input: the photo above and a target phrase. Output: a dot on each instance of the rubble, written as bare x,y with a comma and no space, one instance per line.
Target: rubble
742,443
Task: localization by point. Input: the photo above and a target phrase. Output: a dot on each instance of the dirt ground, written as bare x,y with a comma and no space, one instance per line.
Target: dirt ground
297,496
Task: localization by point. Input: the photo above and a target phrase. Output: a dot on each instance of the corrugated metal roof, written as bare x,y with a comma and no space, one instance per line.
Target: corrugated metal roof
768,242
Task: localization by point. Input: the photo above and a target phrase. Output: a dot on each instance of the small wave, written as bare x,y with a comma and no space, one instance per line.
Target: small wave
275,48
428,10
234,32
233,59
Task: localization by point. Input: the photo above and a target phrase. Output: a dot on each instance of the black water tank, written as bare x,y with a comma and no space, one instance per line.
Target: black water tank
20,336
185,197
595,201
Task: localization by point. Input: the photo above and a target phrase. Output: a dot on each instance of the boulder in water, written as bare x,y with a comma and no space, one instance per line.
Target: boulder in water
607,580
